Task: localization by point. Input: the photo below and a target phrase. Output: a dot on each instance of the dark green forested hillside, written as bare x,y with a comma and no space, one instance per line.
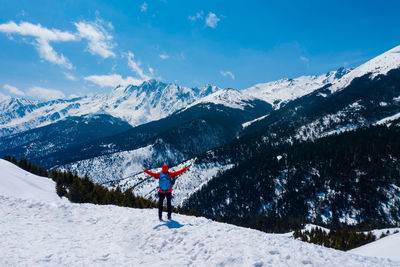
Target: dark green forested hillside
351,178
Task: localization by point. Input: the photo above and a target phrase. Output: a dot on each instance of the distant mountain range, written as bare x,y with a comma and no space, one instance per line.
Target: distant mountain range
150,101
60,132
134,104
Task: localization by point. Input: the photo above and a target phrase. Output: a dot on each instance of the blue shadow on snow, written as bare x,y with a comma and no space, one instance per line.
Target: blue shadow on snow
170,224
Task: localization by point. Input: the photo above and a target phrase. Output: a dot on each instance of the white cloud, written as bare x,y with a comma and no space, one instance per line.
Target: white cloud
112,80
99,40
227,74
151,70
13,90
47,52
212,20
43,37
305,59
199,15
144,7
4,97
29,29
135,66
44,93
70,76
163,56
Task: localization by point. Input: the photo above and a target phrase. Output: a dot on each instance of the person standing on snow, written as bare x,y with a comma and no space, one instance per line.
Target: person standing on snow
165,187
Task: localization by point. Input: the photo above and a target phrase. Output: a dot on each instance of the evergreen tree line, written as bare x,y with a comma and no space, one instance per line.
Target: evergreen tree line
343,239
83,190
27,166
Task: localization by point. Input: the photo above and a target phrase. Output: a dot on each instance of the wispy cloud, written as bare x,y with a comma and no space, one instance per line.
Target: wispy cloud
99,40
212,20
13,90
143,7
112,80
4,97
163,56
70,76
43,36
227,74
44,93
136,66
151,70
199,15
305,59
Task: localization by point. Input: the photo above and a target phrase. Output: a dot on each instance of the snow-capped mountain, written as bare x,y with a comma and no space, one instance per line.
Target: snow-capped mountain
227,97
379,65
151,101
183,135
366,95
135,104
42,229
282,91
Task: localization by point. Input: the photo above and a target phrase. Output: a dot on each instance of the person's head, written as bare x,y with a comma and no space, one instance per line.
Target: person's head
165,168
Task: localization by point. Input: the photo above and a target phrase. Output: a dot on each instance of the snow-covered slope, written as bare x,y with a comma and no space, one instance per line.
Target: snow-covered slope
116,166
284,90
184,185
50,232
135,104
387,247
381,64
15,182
228,97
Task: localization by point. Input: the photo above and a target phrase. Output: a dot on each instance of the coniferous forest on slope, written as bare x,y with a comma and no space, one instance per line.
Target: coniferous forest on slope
326,181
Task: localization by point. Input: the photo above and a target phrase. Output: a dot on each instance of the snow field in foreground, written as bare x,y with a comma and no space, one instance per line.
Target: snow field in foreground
37,228
48,234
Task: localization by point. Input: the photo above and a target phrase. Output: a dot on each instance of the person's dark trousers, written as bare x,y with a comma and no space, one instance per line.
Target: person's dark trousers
161,197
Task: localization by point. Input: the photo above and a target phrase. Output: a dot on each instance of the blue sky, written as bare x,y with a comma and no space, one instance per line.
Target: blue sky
52,49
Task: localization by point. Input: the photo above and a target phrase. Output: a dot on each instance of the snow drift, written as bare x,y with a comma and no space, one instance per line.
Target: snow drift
15,182
387,247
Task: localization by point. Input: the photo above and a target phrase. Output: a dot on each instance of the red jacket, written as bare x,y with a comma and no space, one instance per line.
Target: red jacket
171,174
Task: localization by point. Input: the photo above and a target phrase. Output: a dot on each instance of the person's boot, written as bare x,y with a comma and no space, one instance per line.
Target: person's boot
169,216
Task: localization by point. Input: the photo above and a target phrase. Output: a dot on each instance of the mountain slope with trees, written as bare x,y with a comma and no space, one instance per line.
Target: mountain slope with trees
347,179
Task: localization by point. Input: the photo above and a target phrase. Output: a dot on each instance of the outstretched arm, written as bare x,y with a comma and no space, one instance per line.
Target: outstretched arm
172,174
154,174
